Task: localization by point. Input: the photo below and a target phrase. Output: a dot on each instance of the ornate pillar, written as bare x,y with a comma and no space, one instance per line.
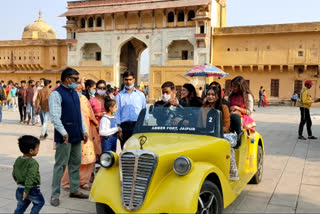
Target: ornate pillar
153,19
113,21
139,21
164,24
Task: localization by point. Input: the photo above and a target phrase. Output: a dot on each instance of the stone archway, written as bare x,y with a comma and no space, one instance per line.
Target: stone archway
130,57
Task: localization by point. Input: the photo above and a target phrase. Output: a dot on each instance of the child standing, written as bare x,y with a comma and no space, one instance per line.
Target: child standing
108,126
26,174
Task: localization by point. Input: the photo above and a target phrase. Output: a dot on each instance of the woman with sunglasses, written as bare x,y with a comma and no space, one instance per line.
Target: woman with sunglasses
97,102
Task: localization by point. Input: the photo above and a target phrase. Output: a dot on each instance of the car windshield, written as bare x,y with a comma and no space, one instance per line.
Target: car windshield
177,119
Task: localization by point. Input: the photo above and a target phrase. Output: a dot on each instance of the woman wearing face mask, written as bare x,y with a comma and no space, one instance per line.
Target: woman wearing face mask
89,150
189,96
90,90
241,107
97,102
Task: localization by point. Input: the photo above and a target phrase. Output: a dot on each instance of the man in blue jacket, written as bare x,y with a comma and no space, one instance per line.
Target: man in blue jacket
69,131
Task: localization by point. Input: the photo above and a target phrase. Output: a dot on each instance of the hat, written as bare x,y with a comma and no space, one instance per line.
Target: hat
309,82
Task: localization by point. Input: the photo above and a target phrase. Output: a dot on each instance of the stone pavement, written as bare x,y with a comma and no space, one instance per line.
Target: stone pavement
291,179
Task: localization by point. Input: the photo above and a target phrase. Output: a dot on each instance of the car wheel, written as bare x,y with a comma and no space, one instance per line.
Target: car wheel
103,209
210,199
258,176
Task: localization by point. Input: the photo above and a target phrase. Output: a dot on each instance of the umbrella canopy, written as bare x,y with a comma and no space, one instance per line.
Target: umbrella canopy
206,71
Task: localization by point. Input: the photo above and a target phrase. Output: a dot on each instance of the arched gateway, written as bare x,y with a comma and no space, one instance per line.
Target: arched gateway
105,38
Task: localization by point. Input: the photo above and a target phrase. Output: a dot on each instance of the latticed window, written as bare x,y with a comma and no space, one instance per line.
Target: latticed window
99,22
191,15
90,22
171,17
83,23
227,87
181,16
298,86
275,88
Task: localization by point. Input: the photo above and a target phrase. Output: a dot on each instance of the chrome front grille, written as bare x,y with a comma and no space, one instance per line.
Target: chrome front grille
136,170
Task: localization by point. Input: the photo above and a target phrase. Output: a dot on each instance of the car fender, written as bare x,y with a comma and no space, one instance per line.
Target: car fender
172,194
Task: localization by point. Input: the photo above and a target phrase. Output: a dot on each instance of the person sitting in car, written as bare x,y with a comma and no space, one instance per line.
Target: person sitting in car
214,101
161,112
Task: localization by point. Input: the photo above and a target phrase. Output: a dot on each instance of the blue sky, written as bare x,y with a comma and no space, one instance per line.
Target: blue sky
16,14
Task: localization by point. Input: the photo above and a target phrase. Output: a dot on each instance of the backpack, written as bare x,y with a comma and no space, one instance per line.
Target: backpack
2,94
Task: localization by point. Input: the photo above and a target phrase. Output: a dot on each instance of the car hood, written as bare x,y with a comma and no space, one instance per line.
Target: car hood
163,143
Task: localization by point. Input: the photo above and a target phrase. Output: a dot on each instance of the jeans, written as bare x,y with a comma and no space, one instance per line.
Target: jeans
109,143
46,118
14,104
66,154
31,110
261,100
34,196
305,118
1,112
22,111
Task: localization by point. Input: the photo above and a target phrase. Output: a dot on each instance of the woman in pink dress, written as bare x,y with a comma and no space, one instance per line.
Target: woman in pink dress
97,102
241,107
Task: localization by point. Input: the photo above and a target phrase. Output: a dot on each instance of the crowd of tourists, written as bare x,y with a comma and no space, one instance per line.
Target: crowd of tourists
90,117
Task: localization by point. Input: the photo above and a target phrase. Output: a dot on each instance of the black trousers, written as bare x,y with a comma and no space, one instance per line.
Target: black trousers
22,111
235,123
305,118
127,131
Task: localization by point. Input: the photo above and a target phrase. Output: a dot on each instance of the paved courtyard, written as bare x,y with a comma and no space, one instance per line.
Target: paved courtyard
291,179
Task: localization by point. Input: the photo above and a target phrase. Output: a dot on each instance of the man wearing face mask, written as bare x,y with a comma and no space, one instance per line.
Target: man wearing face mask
65,113
130,102
168,99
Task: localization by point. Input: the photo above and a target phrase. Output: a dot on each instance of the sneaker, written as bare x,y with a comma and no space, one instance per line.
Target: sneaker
312,138
42,137
302,138
25,122
46,135
28,122
21,121
54,202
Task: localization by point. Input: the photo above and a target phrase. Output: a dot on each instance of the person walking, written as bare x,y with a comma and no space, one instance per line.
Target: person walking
261,98
26,175
39,86
130,102
42,102
294,98
28,102
305,104
69,131
2,100
22,109
13,97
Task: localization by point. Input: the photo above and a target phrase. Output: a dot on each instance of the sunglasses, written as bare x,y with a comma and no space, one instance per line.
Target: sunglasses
102,88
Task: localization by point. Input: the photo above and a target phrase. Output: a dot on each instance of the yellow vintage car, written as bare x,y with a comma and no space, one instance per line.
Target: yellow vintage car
176,162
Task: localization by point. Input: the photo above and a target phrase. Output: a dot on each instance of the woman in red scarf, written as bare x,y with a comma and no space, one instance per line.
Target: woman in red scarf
241,107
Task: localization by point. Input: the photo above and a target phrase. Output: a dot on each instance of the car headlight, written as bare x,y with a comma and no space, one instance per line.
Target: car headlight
107,159
182,165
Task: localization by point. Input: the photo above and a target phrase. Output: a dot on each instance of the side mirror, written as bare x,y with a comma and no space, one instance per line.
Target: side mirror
151,109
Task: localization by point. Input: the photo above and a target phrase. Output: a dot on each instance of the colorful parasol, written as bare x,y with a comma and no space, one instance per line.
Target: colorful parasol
206,71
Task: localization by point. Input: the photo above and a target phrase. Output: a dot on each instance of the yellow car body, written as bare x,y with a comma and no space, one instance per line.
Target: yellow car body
169,192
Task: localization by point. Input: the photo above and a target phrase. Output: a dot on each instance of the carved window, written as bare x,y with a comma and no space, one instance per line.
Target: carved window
191,15
171,17
181,16
83,23
275,88
90,22
99,22
298,86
